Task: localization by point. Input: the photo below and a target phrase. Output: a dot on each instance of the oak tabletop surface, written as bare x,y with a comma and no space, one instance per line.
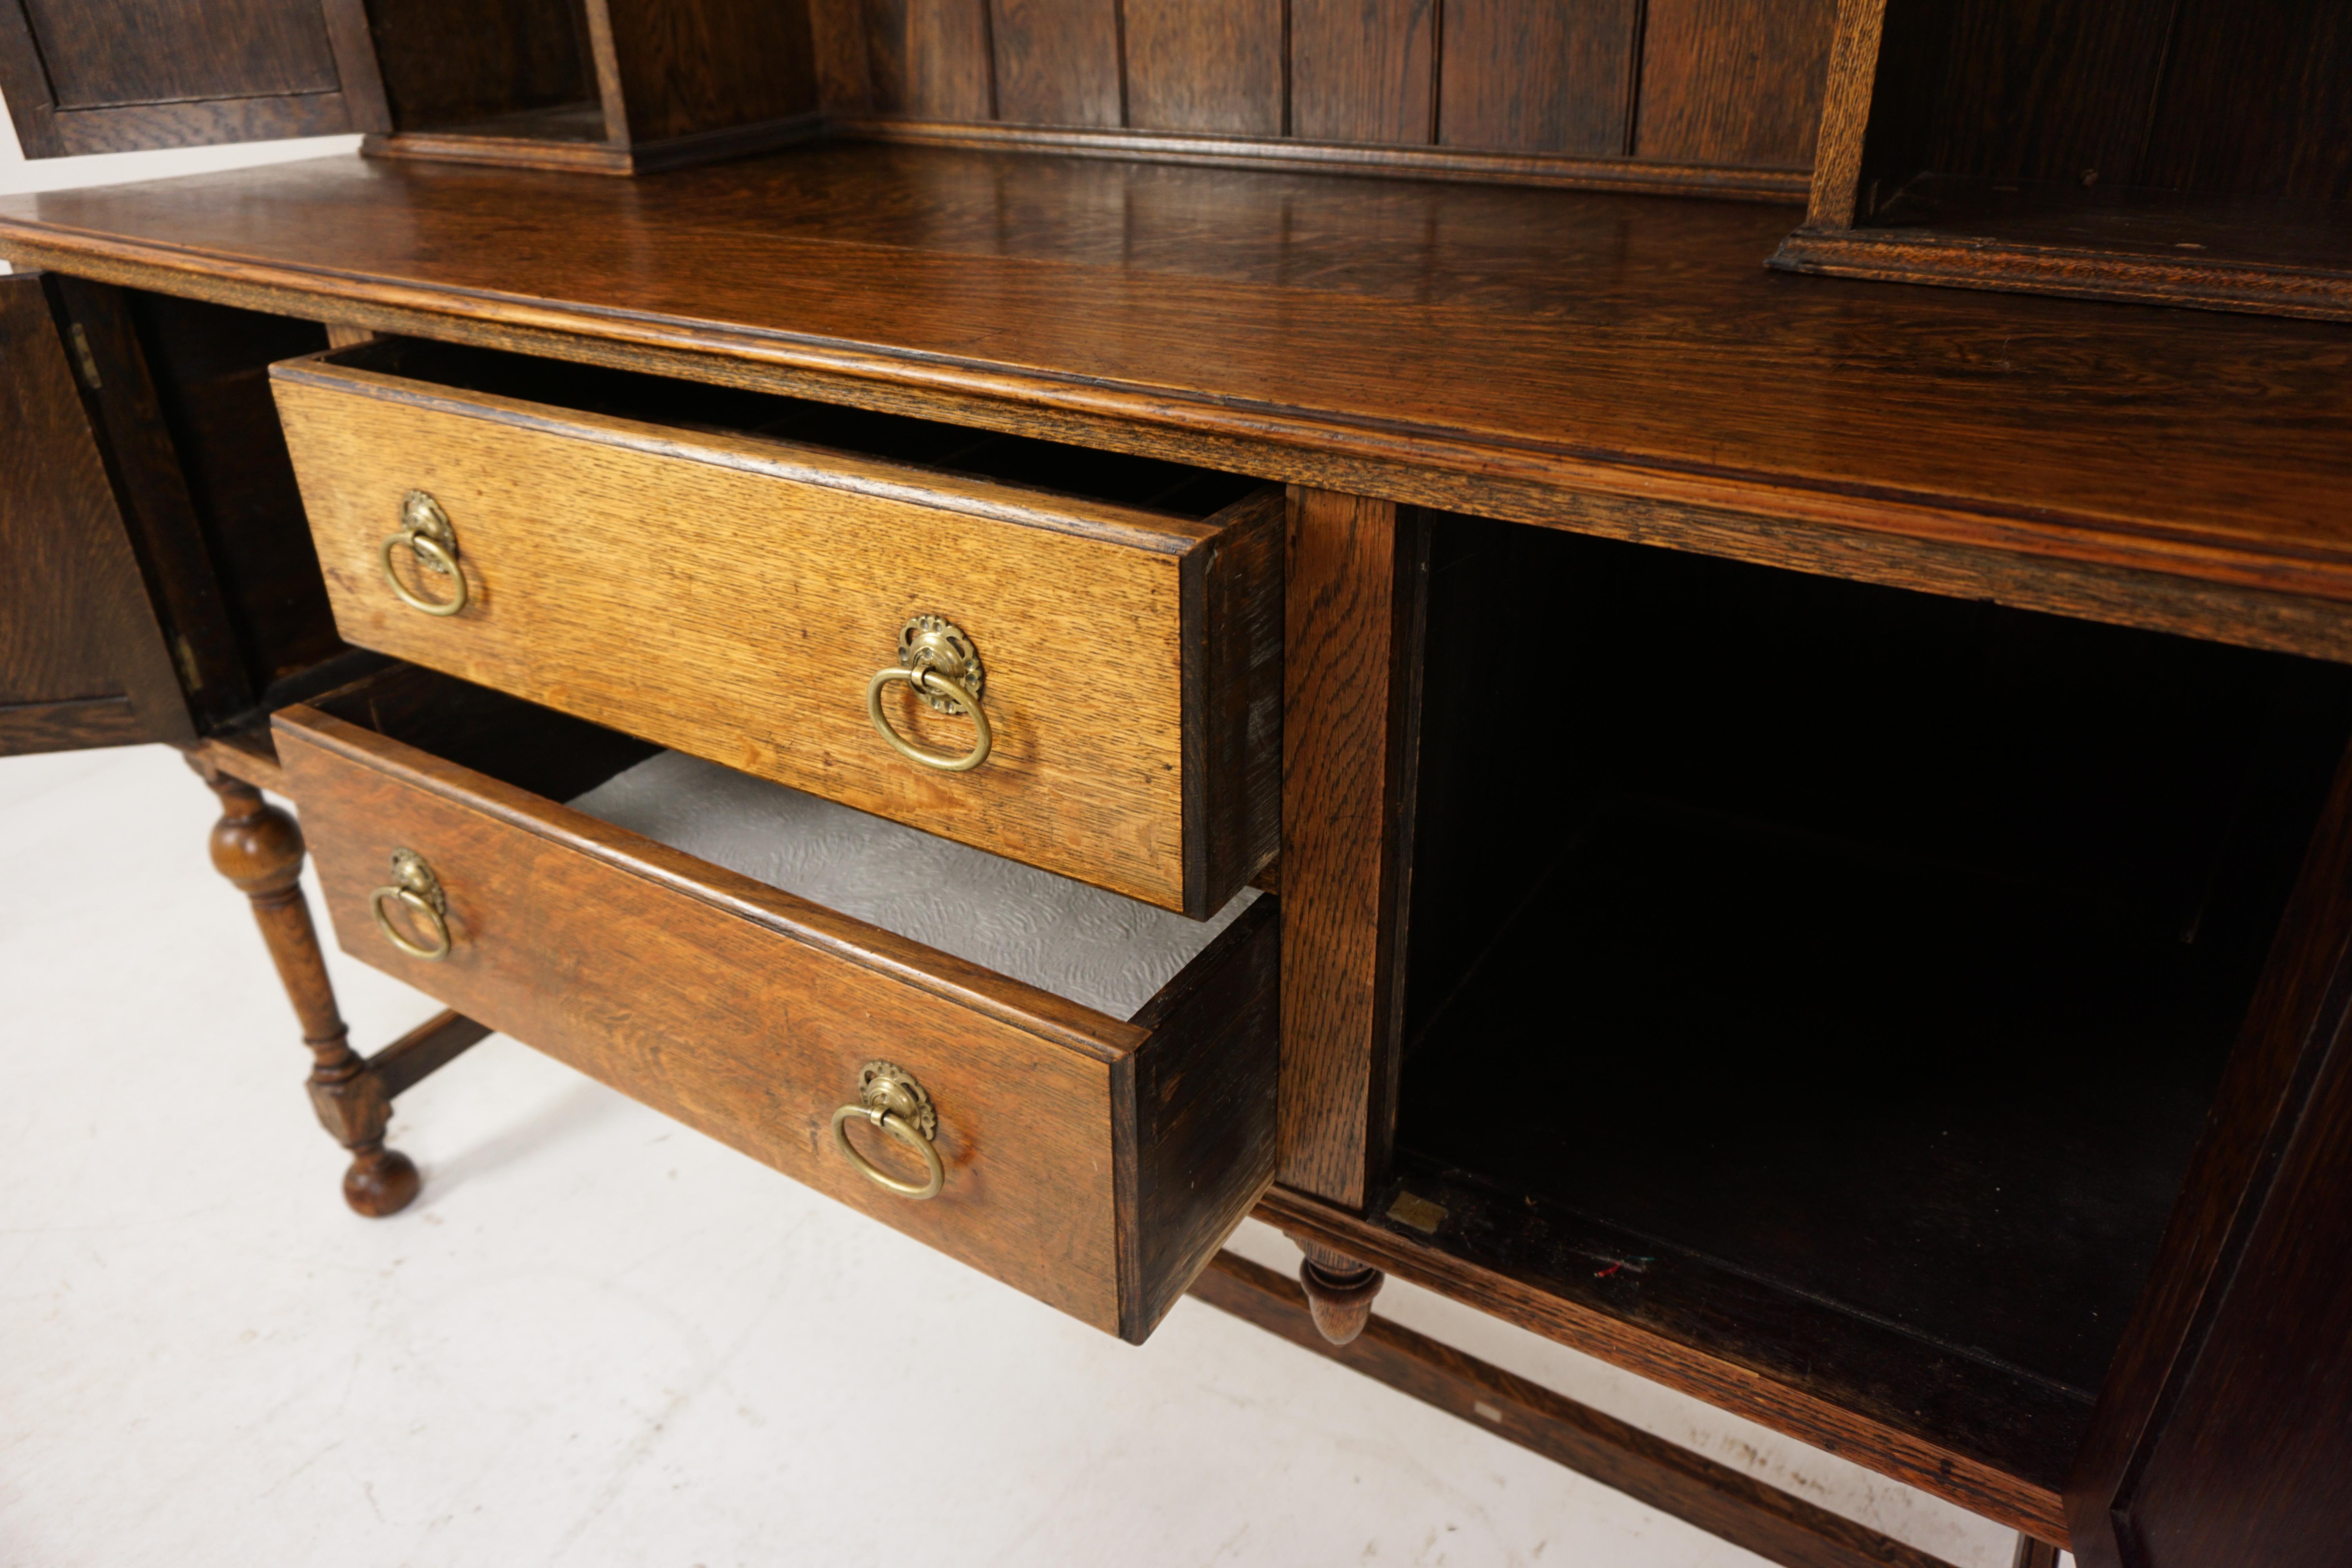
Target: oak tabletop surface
1471,328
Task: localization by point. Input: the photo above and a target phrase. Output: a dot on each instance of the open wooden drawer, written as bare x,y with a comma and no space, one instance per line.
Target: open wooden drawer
730,574
1095,1162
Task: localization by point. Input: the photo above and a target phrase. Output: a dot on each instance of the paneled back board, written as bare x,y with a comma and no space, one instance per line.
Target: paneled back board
1671,94
105,76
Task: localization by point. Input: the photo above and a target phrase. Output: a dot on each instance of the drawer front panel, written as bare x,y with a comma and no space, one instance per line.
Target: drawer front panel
730,598
589,944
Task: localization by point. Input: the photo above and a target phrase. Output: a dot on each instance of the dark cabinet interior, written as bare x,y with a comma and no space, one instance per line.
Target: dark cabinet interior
2189,151
1871,956
152,521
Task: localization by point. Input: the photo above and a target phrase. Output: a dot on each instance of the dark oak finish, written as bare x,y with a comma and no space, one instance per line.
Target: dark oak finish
2222,1420
1094,1162
1542,78
613,87
2032,1553
83,78
1711,97
259,848
1353,596
1719,1340
2177,152
1206,65
1720,1500
83,661
1613,364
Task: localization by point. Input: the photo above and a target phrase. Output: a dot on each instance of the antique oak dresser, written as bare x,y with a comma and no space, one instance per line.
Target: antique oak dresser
1679,667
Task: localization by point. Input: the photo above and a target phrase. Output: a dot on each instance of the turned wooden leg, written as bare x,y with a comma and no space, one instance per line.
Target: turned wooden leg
1340,1291
259,848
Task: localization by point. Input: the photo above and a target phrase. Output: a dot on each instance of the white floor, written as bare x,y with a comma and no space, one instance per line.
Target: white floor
600,1339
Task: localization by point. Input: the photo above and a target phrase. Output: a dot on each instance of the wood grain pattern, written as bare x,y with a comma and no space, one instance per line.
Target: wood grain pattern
1533,76
2049,89
1349,658
151,488
762,662
747,1013
82,78
1363,70
1232,590
1206,65
83,660
1850,99
1638,374
931,59
2253,102
1058,62
259,848
1725,1503
1734,81
1835,1412
2077,265
455,62
693,69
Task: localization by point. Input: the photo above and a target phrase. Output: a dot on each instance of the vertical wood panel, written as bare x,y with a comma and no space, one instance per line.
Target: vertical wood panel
1537,76
1734,81
930,60
844,70
1057,62
82,660
161,51
2257,101
710,65
1363,70
1349,665
2050,89
1205,65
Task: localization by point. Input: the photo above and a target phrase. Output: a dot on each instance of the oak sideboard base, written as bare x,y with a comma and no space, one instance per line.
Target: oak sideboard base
1716,1499
258,846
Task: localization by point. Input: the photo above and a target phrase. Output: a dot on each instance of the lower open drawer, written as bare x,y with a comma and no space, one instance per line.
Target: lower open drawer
1094,1159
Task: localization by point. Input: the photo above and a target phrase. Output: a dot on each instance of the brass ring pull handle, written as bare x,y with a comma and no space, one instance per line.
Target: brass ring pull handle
939,661
425,529
416,889
889,1098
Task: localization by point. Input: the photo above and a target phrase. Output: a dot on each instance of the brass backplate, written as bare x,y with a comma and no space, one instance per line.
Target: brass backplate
934,642
886,1086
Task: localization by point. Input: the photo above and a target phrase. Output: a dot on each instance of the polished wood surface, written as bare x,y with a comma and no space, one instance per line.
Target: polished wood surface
1350,661
259,848
1725,1503
1091,1161
731,595
1612,364
83,659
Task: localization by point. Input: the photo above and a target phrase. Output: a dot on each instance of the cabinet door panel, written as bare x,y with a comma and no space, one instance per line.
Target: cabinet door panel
110,76
82,660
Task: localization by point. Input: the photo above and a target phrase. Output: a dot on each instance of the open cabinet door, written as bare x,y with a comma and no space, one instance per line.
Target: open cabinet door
83,660
111,75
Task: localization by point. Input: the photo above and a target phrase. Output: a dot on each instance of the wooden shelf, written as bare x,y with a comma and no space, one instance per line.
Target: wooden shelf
2289,258
1616,365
